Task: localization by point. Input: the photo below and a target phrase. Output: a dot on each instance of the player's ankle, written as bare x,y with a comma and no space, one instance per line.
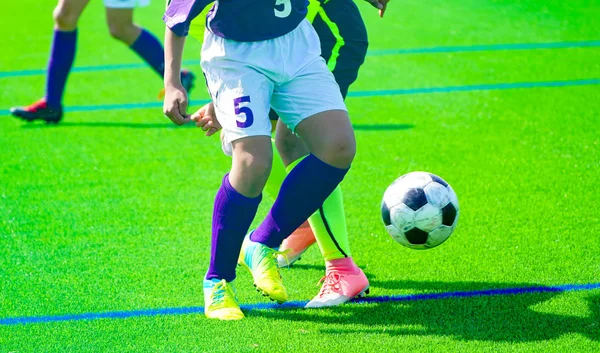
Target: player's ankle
345,264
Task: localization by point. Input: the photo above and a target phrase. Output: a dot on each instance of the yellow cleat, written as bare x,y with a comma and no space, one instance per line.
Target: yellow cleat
261,261
220,302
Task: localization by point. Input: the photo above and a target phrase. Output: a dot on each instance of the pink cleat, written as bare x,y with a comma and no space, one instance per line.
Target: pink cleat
296,244
343,281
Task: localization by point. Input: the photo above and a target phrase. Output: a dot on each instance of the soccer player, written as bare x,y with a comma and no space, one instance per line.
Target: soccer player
119,15
258,54
344,42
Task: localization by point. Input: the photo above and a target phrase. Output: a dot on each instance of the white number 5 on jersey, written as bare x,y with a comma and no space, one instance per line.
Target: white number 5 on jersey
286,9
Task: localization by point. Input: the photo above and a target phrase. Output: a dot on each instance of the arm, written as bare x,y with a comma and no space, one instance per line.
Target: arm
178,15
176,100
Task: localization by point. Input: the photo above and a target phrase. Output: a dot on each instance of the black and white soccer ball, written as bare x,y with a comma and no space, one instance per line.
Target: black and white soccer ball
420,210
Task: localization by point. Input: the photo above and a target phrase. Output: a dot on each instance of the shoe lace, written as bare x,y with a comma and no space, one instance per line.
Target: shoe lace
271,255
285,256
331,283
218,293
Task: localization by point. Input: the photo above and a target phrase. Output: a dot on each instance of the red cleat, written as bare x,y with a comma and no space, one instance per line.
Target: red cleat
38,111
296,244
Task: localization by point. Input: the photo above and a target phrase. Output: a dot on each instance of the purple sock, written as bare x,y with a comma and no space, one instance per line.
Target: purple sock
232,216
303,191
61,60
149,48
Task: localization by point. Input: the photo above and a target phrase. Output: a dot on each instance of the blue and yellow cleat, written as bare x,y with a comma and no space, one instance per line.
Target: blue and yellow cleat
219,300
261,261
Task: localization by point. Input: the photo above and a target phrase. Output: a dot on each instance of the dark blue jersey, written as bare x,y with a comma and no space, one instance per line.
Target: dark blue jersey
239,20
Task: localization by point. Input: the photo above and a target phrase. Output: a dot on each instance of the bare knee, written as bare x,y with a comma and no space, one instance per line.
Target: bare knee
249,174
330,137
121,26
251,166
65,18
339,151
121,32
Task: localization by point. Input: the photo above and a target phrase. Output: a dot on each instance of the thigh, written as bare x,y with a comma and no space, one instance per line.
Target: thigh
71,7
125,4
330,137
119,16
312,91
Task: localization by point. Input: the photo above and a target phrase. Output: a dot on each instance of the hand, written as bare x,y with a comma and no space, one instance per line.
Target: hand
380,4
175,104
206,119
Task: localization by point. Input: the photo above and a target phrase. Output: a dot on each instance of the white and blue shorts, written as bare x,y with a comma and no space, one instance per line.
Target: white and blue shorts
246,79
125,4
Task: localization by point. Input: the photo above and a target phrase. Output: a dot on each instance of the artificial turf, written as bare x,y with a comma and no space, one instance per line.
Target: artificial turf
109,212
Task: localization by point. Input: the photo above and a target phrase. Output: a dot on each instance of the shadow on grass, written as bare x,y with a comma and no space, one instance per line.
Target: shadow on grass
306,266
167,125
502,318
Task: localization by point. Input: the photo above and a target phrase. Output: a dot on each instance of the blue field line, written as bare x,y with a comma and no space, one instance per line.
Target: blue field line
377,52
479,87
10,321
487,47
90,108
356,94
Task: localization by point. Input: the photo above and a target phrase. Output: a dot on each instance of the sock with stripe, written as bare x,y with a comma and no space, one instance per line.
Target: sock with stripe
303,191
278,174
328,224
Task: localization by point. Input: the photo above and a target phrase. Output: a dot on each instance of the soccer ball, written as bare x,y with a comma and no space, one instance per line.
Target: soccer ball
420,210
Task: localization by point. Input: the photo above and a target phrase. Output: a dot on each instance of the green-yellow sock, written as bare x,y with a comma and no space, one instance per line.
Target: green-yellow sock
278,173
329,225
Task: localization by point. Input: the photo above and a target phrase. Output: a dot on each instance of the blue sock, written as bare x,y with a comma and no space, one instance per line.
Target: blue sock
303,191
62,55
149,48
232,215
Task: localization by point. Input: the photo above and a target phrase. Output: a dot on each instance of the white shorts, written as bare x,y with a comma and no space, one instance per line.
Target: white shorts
125,4
246,79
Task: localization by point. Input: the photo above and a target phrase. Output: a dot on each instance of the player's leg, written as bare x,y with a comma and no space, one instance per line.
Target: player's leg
344,43
302,238
302,192
62,54
344,40
313,179
310,101
278,172
303,79
119,17
121,27
241,99
329,223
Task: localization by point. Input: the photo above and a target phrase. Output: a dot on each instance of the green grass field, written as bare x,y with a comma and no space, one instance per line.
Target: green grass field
109,212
